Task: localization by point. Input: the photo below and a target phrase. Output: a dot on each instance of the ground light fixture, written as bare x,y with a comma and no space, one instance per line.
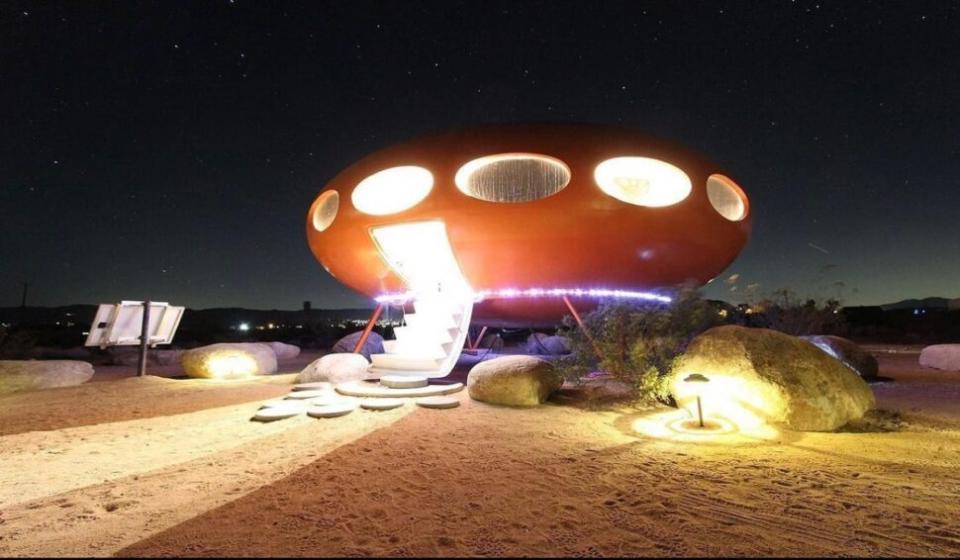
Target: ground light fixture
697,378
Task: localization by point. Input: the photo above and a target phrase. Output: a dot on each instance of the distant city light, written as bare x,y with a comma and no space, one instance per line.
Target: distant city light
243,327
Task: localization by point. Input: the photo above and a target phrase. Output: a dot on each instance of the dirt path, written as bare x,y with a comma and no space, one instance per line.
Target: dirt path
128,399
90,491
482,480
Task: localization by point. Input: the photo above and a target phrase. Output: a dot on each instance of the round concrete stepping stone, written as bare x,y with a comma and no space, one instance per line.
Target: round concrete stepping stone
272,413
277,402
363,389
310,394
381,404
403,381
315,386
331,411
438,402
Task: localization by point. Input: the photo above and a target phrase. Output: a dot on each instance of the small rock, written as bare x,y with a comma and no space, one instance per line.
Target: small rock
335,368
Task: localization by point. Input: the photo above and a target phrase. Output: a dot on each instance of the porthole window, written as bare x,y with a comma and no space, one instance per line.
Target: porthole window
727,198
392,190
642,181
515,177
325,210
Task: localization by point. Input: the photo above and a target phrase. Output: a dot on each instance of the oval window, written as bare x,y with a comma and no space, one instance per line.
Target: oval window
392,190
642,181
517,177
325,210
727,198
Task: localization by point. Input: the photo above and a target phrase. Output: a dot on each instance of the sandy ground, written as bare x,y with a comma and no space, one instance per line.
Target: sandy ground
477,480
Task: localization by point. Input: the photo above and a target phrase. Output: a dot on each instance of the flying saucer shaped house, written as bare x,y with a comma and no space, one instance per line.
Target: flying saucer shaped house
508,224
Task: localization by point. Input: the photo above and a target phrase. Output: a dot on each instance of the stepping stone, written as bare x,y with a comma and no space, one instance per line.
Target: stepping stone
403,381
272,413
381,404
439,402
331,411
316,386
363,389
277,402
311,394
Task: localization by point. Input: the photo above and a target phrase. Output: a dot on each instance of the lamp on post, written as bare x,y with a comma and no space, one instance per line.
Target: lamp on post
697,378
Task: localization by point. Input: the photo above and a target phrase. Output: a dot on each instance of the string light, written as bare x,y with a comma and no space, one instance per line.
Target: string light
515,293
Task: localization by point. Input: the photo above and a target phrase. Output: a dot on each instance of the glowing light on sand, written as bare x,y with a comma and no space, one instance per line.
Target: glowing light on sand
642,181
392,190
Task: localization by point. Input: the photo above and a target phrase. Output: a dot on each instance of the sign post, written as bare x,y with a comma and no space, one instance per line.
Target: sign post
128,323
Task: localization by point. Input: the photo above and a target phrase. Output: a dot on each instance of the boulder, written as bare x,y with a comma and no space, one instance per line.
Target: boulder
284,351
848,352
130,356
513,381
544,344
27,375
941,356
759,376
336,368
373,345
229,360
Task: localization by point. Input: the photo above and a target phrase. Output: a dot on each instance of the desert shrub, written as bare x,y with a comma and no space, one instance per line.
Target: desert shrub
637,342
17,344
785,312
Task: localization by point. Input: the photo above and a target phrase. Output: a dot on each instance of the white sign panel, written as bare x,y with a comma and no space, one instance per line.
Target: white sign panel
119,324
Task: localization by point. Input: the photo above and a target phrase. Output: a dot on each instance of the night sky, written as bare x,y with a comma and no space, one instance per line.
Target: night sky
171,149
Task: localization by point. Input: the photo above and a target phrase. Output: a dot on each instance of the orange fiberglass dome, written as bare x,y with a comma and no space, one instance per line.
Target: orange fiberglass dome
522,214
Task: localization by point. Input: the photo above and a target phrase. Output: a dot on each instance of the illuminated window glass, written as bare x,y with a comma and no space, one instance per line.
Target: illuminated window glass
642,181
392,190
513,177
326,210
727,198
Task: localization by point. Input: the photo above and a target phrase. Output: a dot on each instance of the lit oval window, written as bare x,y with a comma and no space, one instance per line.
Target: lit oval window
727,198
517,177
642,181
325,210
392,190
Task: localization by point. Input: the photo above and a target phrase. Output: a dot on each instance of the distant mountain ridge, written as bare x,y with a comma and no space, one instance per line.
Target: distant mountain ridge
926,303
82,314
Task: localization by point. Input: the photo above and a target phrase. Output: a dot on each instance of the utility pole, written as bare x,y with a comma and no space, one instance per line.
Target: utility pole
23,303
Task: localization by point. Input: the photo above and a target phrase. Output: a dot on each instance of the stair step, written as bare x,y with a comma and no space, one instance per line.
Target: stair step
429,320
440,336
403,362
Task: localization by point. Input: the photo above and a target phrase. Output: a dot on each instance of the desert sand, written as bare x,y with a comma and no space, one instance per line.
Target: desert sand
82,474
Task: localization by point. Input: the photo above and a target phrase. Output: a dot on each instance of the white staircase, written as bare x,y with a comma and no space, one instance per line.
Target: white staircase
432,340
433,337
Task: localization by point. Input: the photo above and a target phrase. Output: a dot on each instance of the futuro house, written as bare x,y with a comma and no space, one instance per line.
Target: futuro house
515,224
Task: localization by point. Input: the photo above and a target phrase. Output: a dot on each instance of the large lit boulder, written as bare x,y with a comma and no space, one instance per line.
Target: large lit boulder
231,360
284,351
544,344
513,381
28,375
336,368
373,345
760,376
848,352
941,356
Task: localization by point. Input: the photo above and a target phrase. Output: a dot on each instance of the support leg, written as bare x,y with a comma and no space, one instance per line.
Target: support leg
144,339
369,328
579,320
476,343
